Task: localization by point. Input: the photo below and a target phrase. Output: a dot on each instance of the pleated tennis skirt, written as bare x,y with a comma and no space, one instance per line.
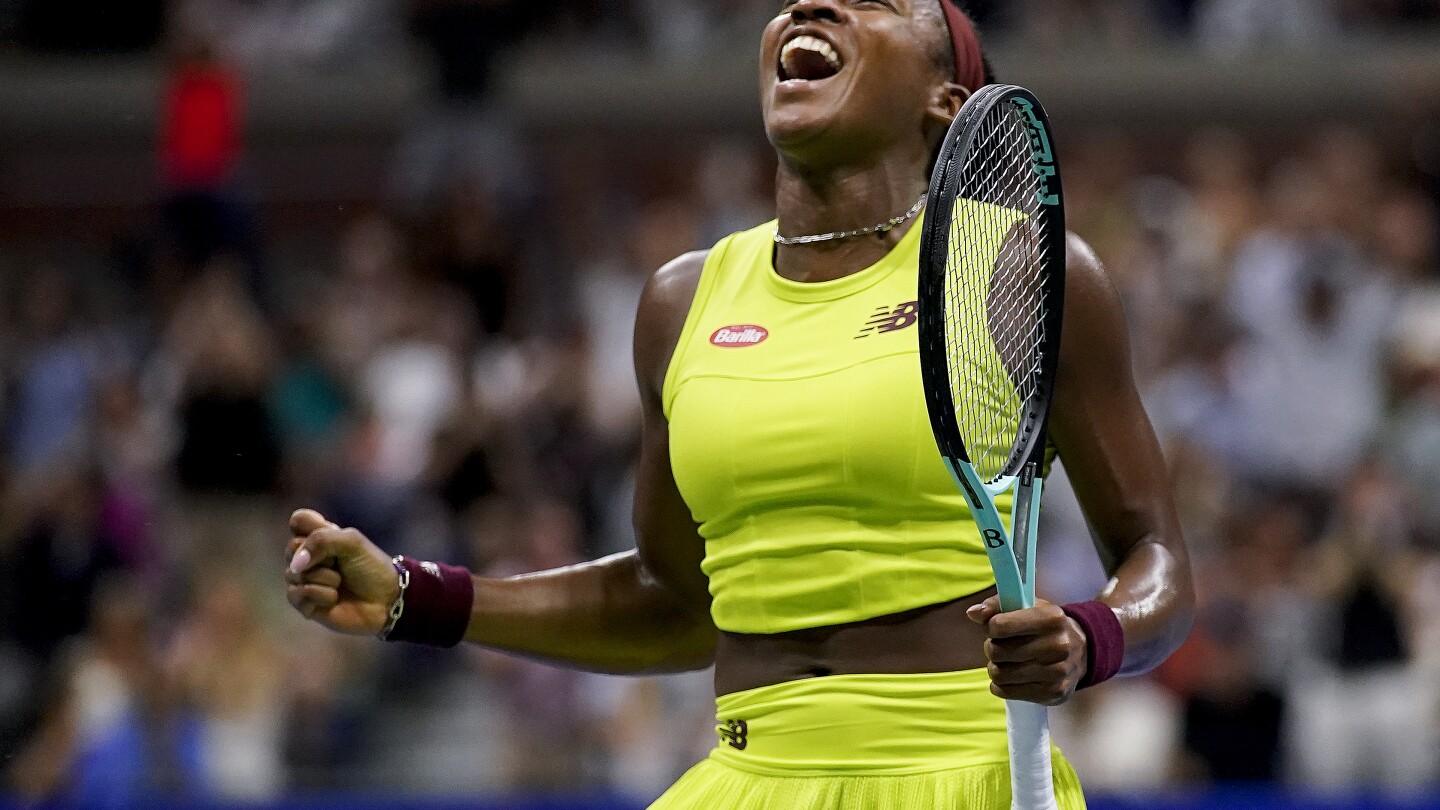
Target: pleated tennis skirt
931,741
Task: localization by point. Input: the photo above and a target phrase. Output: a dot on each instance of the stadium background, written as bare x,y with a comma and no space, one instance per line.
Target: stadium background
381,257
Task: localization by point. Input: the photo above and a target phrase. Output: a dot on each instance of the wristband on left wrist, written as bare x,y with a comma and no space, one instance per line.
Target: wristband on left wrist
434,603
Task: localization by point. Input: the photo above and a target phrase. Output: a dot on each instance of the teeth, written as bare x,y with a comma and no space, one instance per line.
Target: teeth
815,44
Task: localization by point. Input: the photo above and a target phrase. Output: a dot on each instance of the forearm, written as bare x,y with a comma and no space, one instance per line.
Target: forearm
1151,594
604,616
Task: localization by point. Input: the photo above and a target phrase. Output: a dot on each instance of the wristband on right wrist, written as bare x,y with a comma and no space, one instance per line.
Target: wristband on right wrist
1104,640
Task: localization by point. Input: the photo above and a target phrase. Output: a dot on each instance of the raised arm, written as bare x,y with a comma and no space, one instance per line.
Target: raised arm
641,611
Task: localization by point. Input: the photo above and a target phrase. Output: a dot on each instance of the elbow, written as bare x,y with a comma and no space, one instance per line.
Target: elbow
694,650
689,661
685,642
1171,627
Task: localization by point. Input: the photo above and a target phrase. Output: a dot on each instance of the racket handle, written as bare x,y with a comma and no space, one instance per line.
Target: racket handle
1032,785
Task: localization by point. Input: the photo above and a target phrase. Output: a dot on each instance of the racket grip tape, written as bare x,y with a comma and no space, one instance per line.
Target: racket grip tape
1032,783
1104,640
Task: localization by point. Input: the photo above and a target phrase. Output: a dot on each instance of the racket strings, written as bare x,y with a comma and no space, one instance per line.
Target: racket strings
995,306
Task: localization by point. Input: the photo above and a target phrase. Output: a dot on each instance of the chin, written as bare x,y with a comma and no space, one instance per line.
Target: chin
820,139
794,129
793,123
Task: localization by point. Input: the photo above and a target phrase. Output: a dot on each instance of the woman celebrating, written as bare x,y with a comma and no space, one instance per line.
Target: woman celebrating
795,523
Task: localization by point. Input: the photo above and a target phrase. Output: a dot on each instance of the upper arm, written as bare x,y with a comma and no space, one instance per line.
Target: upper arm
1099,425
667,537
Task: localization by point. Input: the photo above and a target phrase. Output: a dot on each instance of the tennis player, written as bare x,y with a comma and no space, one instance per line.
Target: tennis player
796,526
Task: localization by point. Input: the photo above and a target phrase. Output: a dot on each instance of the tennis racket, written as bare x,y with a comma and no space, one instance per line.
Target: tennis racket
992,287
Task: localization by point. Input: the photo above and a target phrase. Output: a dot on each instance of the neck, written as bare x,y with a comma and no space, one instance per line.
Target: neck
815,201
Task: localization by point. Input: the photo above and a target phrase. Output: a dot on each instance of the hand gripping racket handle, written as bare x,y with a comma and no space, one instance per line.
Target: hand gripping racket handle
1031,784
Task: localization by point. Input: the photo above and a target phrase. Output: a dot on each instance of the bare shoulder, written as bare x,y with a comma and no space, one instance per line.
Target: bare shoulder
661,316
673,285
1095,332
1085,275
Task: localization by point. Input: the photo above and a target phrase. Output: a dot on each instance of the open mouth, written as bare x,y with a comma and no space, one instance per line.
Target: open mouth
808,59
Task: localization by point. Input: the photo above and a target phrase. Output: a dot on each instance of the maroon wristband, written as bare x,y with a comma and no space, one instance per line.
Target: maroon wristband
1104,639
437,604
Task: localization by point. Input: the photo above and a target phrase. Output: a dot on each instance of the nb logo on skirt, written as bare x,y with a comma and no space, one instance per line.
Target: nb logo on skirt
733,733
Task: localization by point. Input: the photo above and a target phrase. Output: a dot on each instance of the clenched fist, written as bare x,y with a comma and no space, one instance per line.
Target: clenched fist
1036,655
337,577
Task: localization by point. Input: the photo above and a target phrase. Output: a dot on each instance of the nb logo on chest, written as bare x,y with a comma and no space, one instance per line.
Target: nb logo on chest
887,319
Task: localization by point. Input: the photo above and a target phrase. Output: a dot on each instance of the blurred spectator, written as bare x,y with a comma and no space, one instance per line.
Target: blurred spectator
1220,171
61,557
650,730
360,306
332,682
56,367
132,451
1232,722
547,738
475,248
609,294
463,134
1361,713
309,398
201,145
1407,243
729,186
357,491
220,358
116,734
201,130
1122,736
1314,317
234,676
223,355
1388,13
414,383
1196,402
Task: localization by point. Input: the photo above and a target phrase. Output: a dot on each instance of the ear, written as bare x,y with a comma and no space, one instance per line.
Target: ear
945,103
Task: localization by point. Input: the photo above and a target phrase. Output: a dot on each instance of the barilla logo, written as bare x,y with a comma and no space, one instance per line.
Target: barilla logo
740,335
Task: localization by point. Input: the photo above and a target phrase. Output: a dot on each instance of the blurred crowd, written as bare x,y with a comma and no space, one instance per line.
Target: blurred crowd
1285,316
368,34
452,376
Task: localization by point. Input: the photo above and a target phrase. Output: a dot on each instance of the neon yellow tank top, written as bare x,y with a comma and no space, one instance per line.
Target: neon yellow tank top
800,441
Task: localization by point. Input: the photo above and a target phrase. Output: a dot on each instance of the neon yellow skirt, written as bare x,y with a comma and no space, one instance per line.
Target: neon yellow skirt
861,742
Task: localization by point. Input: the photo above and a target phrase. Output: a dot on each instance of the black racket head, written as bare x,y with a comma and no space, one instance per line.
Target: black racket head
992,283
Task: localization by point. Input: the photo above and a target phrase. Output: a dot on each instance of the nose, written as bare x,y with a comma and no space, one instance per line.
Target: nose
810,10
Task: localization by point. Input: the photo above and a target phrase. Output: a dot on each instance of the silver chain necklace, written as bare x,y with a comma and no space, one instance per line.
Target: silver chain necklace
887,225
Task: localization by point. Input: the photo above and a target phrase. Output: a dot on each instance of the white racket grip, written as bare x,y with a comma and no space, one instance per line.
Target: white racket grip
1032,785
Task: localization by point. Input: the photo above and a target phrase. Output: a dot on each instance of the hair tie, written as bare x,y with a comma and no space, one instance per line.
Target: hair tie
969,64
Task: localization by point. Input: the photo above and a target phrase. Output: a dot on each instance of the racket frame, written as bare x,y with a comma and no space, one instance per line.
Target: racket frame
1011,556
